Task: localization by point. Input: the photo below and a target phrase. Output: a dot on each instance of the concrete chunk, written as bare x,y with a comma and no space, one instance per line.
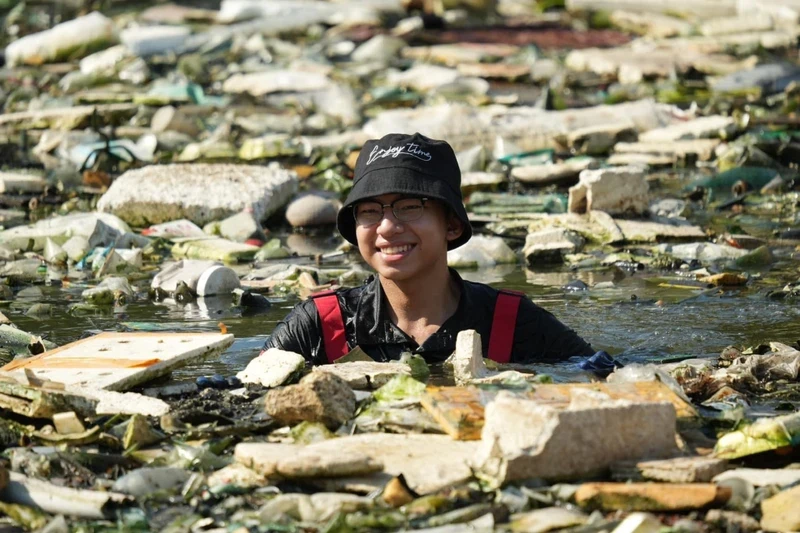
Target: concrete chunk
703,8
613,190
79,36
319,397
428,462
314,209
263,457
481,251
200,193
739,24
364,375
525,127
547,519
677,470
525,439
761,477
309,463
652,24
703,149
20,183
651,496
781,512
559,173
646,231
261,83
68,423
715,126
550,245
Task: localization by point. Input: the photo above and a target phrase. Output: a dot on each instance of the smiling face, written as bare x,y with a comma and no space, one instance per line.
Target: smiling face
403,251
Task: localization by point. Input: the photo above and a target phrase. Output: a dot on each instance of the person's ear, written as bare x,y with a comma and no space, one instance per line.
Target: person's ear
455,227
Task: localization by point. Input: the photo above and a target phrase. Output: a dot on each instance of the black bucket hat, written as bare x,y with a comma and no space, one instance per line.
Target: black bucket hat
405,164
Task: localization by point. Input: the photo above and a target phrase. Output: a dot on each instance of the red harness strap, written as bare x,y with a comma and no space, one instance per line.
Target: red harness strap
333,334
504,322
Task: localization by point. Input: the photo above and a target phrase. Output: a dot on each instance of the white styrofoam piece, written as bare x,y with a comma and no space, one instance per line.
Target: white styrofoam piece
95,362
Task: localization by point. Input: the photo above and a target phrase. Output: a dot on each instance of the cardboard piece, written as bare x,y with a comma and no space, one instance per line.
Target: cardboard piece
119,361
460,410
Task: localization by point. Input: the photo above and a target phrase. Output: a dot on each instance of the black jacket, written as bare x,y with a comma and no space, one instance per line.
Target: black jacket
539,335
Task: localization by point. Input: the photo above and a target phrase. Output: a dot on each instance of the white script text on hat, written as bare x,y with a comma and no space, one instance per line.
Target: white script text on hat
411,149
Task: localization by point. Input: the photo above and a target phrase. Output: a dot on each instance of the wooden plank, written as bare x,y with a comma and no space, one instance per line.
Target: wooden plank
460,410
119,361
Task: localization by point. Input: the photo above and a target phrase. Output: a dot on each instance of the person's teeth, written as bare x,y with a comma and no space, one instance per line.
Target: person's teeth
397,249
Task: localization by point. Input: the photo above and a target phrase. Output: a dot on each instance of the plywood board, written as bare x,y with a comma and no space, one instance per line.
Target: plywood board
459,410
119,361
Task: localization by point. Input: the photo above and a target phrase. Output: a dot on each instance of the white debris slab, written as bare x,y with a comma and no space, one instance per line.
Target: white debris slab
423,77
646,231
481,251
706,252
149,40
761,477
739,24
715,126
651,24
428,462
206,278
261,83
468,363
20,183
549,174
612,190
523,439
55,499
95,227
703,8
366,375
550,245
200,193
122,403
703,149
83,34
635,63
272,368
527,128
239,10
119,361
64,118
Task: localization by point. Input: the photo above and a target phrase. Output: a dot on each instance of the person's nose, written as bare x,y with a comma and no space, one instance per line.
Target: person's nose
389,225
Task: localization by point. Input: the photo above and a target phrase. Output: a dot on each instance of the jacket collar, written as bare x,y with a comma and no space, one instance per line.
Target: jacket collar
373,319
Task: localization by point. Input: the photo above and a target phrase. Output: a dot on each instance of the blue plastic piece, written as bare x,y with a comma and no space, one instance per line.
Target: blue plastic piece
203,382
600,363
234,382
218,381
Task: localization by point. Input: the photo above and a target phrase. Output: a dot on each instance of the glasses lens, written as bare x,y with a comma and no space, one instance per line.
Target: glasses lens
408,209
368,213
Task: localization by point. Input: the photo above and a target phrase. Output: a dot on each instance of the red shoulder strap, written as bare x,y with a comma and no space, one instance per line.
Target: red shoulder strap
333,334
504,322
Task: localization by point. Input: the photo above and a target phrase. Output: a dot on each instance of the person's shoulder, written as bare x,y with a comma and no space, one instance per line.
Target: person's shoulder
343,294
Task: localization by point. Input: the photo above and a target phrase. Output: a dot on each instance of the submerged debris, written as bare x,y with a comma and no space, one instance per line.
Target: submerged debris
170,181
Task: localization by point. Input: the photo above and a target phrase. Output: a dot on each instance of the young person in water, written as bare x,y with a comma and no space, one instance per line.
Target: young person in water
404,212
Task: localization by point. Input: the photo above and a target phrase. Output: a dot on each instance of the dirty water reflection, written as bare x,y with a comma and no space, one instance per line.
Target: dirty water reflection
635,319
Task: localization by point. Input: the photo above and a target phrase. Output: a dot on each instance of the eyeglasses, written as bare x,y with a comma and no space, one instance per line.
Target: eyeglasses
404,209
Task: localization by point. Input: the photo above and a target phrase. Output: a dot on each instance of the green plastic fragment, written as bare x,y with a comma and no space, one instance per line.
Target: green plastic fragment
310,432
400,388
537,157
763,435
419,368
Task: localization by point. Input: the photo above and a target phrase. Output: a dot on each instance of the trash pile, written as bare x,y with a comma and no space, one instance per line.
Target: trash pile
162,155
